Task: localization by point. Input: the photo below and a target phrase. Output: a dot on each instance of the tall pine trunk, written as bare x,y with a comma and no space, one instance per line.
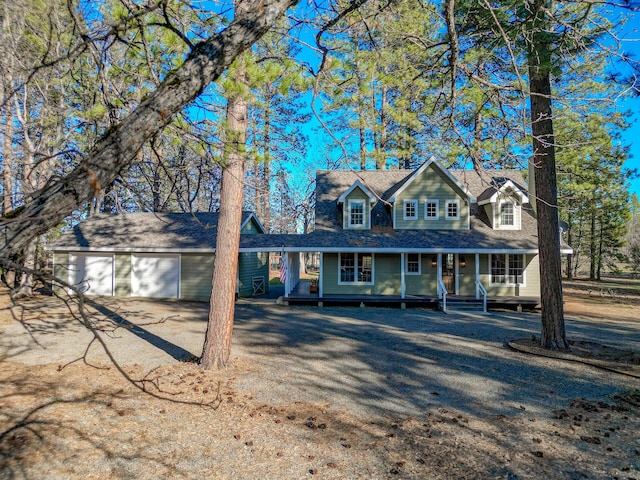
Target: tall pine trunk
592,247
553,334
265,194
217,344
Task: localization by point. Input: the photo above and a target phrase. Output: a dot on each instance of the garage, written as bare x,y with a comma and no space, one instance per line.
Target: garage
155,275
92,273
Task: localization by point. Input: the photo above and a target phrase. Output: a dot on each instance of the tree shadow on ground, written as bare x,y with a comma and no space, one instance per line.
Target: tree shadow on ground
50,423
407,362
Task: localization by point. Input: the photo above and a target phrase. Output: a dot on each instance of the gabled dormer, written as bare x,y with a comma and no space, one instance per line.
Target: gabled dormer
431,198
251,224
356,204
503,206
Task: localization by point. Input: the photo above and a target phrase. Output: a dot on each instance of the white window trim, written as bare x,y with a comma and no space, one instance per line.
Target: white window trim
446,209
406,264
506,271
355,266
515,225
437,202
364,209
404,209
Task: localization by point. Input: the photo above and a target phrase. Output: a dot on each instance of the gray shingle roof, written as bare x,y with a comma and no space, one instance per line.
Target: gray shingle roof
144,231
480,237
182,232
384,183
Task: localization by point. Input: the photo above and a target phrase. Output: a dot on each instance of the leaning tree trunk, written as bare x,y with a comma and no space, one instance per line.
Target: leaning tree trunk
217,344
115,152
25,289
539,58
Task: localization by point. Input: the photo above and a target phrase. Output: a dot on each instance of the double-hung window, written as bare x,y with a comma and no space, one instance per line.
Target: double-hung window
452,209
356,213
507,214
410,209
516,270
431,209
412,264
356,268
507,269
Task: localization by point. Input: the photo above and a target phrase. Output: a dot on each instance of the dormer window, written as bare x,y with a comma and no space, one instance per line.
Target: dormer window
356,213
356,203
452,209
410,209
504,206
507,214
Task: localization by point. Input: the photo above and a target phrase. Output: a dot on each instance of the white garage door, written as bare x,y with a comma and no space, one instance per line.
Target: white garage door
92,273
154,275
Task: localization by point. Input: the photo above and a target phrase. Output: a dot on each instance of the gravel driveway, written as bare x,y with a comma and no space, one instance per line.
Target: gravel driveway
367,360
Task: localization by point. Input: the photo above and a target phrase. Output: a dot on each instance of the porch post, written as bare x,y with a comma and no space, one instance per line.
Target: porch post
402,280
477,276
287,280
439,275
456,269
320,276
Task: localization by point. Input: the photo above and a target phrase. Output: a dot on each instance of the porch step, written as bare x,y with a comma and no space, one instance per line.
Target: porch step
466,305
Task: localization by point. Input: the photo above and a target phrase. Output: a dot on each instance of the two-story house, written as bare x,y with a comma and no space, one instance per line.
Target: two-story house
426,233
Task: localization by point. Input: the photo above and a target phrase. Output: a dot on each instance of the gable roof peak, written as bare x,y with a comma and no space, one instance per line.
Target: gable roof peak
433,161
361,186
508,186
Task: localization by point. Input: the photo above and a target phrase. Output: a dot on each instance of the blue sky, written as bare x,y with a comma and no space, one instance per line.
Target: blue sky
631,137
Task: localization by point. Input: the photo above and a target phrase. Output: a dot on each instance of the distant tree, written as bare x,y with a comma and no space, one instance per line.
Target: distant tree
632,239
593,184
277,116
378,96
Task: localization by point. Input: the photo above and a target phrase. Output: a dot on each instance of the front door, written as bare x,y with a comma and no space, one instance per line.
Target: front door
449,272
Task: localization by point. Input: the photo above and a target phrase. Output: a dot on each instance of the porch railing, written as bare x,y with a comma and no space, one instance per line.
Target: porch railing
443,294
483,292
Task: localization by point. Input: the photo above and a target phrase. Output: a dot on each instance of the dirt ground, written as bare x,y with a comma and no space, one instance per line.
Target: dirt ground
81,421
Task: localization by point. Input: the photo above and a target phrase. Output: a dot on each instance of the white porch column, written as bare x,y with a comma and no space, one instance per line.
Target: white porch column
439,274
456,268
287,280
477,275
320,275
295,268
402,279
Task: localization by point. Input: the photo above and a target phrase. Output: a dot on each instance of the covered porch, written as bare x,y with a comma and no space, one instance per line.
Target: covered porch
449,280
301,295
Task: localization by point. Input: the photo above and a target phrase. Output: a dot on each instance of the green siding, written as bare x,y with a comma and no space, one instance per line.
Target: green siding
196,272
356,194
490,212
252,265
330,278
431,184
60,269
251,227
467,276
122,275
493,212
531,287
427,282
387,274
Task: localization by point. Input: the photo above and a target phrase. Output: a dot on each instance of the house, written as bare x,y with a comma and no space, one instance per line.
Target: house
425,235
431,235
161,255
